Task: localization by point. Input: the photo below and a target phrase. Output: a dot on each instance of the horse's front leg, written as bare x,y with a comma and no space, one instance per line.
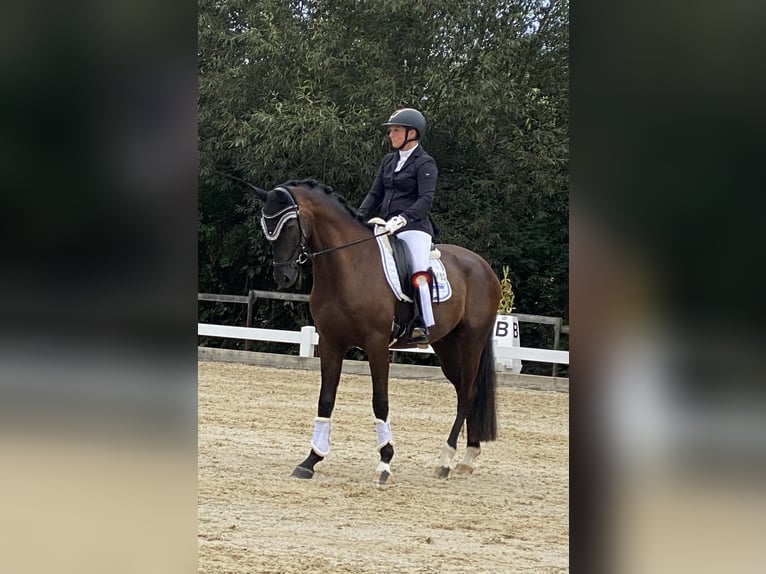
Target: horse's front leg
379,367
331,360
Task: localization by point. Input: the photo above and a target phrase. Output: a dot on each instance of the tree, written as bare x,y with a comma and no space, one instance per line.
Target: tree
299,89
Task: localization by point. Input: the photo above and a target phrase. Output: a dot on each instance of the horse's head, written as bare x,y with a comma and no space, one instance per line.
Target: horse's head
282,225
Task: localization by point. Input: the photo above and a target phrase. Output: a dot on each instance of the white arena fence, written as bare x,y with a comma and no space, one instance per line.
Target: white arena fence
508,352
508,348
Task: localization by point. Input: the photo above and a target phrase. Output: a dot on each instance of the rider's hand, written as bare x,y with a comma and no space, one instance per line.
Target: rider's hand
395,224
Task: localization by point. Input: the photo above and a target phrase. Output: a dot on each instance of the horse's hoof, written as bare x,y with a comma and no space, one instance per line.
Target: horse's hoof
441,472
463,469
383,479
301,472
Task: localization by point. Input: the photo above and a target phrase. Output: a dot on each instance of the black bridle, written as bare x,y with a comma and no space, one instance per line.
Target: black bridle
301,253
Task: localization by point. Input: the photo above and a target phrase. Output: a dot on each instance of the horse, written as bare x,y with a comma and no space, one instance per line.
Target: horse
352,307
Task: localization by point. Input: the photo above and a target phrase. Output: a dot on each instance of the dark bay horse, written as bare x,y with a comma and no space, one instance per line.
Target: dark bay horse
353,306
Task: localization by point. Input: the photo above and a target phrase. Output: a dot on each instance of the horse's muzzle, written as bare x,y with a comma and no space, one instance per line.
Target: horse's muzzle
286,275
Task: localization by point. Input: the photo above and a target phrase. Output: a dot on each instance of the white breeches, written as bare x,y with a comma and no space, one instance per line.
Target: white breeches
419,243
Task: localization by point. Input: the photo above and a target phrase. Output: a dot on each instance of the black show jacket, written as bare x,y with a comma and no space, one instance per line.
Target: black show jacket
408,192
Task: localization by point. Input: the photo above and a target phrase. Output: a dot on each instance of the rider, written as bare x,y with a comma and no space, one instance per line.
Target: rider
402,193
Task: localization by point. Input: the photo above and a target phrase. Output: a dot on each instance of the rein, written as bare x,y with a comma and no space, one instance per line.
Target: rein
328,250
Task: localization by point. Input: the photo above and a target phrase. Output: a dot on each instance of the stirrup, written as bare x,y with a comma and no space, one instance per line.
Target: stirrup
418,336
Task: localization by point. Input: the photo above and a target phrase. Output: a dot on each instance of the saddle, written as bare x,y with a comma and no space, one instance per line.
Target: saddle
403,261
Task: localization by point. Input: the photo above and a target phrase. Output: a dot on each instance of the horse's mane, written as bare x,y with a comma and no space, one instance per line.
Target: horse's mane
337,198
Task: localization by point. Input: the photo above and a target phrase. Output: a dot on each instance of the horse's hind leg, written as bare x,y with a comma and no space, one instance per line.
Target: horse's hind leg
461,359
450,448
472,451
481,424
451,359
331,360
466,465
473,446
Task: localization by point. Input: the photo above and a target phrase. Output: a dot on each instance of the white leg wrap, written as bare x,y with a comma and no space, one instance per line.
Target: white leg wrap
384,433
425,301
471,453
320,441
448,453
383,467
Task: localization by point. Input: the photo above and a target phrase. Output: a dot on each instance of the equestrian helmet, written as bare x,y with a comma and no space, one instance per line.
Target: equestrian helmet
409,118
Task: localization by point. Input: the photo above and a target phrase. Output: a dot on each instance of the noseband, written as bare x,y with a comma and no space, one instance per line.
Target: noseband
301,253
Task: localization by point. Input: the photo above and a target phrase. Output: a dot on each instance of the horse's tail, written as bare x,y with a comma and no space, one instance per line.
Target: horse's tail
484,411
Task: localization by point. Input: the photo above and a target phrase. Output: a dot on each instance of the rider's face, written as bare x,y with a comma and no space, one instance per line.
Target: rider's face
397,135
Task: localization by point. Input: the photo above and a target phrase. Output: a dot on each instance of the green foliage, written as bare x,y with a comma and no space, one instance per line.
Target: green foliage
294,89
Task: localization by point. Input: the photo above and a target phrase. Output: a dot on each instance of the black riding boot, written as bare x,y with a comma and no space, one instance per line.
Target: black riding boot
418,332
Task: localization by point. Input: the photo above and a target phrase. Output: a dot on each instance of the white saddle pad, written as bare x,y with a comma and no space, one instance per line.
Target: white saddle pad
443,289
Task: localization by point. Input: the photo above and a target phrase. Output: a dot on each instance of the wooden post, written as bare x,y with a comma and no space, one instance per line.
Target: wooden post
556,337
307,341
251,297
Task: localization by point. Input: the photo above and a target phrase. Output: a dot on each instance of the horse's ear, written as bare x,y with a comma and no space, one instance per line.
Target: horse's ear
261,193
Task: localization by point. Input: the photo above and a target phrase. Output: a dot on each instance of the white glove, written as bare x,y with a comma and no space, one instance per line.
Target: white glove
395,224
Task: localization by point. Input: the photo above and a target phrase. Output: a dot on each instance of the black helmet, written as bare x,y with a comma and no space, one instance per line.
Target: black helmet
410,118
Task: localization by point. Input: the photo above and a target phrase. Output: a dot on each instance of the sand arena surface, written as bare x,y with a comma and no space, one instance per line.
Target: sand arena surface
255,424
